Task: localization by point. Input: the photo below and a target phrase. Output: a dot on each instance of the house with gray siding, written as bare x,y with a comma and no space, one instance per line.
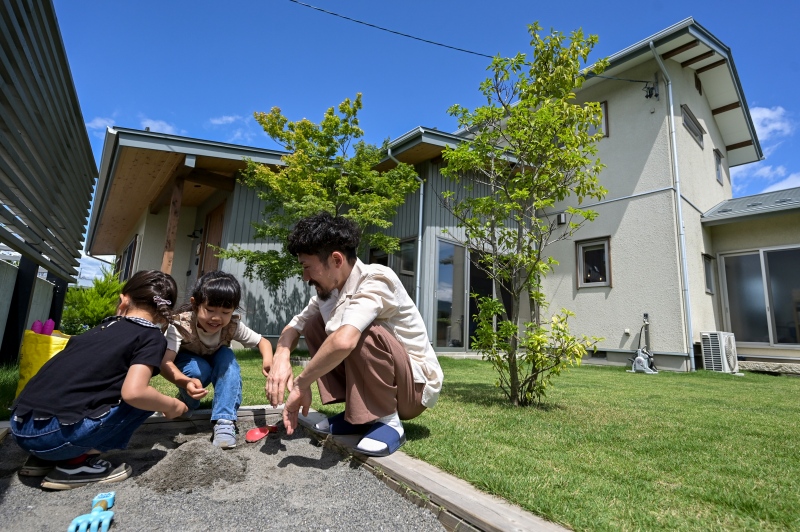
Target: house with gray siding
665,244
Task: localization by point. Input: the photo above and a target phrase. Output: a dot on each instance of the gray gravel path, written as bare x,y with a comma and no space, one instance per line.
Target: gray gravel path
182,482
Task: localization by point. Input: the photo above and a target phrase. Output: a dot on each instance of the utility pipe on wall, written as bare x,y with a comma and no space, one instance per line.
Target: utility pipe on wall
418,273
678,200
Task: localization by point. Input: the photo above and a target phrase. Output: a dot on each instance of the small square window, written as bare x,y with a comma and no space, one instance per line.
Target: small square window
691,123
376,256
603,121
718,165
594,264
708,268
408,257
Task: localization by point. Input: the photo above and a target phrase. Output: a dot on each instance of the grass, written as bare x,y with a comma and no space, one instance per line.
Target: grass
610,450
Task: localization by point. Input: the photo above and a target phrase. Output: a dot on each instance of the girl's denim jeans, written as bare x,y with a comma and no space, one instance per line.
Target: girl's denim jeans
221,370
50,440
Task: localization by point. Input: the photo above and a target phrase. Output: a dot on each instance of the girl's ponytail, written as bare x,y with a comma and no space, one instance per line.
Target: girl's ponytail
154,290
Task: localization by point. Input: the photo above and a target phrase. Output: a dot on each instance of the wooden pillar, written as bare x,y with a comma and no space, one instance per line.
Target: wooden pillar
172,225
175,212
18,311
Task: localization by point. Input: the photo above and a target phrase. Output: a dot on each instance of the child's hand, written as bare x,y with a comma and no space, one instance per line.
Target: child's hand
195,389
179,408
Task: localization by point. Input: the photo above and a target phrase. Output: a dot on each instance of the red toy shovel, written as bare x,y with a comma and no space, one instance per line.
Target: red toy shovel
259,433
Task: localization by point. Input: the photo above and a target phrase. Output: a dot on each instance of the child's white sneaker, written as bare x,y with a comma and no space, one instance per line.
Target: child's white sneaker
225,434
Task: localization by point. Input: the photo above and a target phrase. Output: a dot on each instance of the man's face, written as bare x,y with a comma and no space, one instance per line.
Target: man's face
318,274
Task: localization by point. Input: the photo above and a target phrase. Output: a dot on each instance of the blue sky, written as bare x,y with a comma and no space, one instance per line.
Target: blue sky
200,68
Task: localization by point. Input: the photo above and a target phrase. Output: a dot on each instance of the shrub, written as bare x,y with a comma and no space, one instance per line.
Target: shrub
85,307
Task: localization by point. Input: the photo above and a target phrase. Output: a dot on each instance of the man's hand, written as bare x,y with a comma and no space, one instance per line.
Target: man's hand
299,399
279,380
195,389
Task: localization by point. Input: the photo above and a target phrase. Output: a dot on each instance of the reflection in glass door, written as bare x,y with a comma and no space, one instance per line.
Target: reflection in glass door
747,307
450,296
783,285
763,296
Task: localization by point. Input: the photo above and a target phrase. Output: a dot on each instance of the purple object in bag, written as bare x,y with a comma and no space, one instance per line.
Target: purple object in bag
37,327
48,327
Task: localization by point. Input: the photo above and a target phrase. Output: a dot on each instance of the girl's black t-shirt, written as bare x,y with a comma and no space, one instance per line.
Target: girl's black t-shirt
85,379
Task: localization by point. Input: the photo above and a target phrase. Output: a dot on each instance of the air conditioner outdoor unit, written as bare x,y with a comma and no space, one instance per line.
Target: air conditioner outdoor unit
719,351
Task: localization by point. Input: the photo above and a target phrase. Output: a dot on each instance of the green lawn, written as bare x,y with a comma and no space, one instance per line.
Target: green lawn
611,450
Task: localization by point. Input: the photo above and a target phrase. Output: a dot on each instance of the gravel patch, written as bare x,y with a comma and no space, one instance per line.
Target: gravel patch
182,482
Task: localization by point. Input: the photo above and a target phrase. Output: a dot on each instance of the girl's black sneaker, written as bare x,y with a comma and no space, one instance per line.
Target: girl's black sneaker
92,469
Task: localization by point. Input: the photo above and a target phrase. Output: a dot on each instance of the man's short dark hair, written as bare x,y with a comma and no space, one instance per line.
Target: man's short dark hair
322,234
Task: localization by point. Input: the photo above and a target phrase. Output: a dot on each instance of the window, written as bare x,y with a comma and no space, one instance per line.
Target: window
691,123
594,264
708,267
718,164
603,121
376,256
408,258
125,262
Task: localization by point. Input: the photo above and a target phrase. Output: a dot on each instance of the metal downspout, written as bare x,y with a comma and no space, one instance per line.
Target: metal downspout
419,230
682,232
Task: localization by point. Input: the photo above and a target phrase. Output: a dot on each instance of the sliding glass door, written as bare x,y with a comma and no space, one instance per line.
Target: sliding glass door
762,296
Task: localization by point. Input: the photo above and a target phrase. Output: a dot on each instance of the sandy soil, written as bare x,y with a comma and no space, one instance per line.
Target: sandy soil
182,482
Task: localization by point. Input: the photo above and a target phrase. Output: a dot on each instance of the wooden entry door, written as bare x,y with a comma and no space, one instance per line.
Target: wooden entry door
212,235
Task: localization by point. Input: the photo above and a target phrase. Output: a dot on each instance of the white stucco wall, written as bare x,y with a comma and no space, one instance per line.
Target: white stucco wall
644,277
756,233
638,214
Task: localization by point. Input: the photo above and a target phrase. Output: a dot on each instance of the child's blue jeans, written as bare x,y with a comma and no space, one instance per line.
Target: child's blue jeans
50,440
221,370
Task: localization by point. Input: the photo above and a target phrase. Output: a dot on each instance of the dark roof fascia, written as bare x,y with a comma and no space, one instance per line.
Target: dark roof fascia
424,135
117,137
421,135
165,142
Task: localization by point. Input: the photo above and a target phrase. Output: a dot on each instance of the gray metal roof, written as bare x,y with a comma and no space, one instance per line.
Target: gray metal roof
736,209
46,165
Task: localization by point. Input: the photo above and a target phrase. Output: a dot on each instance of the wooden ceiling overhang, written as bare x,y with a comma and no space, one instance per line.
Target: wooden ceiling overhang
695,48
138,171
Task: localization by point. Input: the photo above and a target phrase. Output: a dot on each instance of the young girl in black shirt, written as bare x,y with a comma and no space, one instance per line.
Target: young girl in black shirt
93,395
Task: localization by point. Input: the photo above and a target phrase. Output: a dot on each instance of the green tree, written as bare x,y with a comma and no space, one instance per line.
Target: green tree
329,169
531,147
85,307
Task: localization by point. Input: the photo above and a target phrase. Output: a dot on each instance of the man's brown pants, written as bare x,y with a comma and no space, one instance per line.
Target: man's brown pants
375,379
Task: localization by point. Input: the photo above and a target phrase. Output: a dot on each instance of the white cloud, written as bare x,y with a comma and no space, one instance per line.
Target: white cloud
241,136
771,121
790,182
100,123
770,173
226,119
159,126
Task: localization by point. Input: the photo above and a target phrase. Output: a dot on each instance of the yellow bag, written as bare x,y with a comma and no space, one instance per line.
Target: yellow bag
36,350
